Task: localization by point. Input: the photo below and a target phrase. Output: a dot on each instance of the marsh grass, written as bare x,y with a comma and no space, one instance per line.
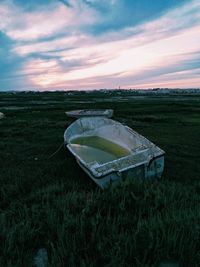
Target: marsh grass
51,203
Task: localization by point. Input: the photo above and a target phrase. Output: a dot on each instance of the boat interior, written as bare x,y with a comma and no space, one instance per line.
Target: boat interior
103,139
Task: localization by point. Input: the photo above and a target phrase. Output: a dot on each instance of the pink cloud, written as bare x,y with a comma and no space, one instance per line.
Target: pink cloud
25,26
121,55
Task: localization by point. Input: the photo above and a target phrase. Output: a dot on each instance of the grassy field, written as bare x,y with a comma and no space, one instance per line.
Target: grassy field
47,202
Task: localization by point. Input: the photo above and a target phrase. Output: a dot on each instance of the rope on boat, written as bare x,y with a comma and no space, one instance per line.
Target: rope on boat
59,148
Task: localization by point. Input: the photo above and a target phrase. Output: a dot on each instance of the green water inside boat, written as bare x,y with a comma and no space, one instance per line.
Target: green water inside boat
95,148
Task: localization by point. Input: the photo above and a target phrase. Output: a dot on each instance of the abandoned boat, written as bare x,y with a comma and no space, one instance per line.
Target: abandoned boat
108,113
110,152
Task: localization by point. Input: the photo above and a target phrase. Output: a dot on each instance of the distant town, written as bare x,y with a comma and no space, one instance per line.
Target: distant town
150,91
116,91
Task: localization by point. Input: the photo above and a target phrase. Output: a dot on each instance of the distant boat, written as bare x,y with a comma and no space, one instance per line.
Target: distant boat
110,152
108,113
2,115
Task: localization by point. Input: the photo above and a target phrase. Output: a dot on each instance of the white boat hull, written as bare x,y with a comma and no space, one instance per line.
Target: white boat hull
145,160
107,113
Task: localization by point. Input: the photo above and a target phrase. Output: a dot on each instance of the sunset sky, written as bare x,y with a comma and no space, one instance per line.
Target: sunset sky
94,44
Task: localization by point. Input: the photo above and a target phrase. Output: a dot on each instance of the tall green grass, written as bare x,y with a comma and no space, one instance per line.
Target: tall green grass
51,203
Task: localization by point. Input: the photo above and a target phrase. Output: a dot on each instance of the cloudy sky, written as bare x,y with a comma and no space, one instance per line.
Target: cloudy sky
92,44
